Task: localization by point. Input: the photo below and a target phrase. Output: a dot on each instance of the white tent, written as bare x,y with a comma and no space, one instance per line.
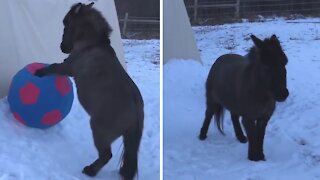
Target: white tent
178,37
31,31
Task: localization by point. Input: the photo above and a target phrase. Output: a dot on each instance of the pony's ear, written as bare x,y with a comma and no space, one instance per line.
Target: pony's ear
77,8
256,41
90,5
274,38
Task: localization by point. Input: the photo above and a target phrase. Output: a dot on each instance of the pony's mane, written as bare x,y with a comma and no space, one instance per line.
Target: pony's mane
271,47
252,54
99,22
93,22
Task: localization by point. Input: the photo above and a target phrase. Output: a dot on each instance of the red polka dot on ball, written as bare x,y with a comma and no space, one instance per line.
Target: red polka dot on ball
34,66
19,118
29,93
62,85
51,117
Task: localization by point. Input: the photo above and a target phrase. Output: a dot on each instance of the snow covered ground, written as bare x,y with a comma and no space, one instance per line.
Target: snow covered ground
60,152
292,143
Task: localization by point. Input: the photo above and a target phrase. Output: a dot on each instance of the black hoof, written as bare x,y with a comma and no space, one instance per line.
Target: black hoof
242,139
89,171
257,158
39,73
261,157
122,171
125,174
253,159
202,137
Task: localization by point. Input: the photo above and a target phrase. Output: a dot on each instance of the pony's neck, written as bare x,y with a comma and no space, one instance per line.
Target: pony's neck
257,80
85,44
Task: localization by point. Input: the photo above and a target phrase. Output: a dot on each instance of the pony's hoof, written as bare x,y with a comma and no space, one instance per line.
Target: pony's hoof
39,73
202,137
257,158
125,174
253,158
242,139
261,157
122,171
89,171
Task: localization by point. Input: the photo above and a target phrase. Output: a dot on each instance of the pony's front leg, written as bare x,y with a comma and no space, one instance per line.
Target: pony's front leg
56,68
261,129
250,127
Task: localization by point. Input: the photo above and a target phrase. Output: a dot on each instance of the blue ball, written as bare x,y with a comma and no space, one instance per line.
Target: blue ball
39,102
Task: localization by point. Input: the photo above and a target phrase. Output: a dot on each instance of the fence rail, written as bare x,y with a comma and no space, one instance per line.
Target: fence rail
203,10
196,6
152,24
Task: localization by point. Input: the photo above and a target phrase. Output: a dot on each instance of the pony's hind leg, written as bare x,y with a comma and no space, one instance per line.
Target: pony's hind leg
104,156
131,142
206,124
237,128
211,109
102,143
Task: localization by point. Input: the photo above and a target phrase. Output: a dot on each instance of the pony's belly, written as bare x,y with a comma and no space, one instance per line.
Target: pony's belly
233,101
84,100
253,110
226,96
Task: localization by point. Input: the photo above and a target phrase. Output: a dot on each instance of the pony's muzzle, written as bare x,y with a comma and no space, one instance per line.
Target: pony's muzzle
64,48
282,96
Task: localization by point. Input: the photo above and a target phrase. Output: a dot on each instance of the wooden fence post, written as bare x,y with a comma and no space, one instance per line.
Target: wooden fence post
195,11
124,28
237,13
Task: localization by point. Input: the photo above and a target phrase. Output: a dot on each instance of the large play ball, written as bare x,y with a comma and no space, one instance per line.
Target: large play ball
39,102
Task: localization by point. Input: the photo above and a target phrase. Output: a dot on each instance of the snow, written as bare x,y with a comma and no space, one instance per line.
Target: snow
292,145
60,152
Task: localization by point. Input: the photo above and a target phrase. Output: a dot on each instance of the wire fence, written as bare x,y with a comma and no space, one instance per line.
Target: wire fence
139,19
139,27
221,11
206,12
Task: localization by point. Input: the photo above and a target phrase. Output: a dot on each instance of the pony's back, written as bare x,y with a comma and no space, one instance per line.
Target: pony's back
225,74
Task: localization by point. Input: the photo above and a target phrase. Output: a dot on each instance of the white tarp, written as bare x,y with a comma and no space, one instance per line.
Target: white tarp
31,31
178,37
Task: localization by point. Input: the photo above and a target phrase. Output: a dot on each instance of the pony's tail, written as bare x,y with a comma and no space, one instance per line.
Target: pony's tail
217,109
131,141
218,116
